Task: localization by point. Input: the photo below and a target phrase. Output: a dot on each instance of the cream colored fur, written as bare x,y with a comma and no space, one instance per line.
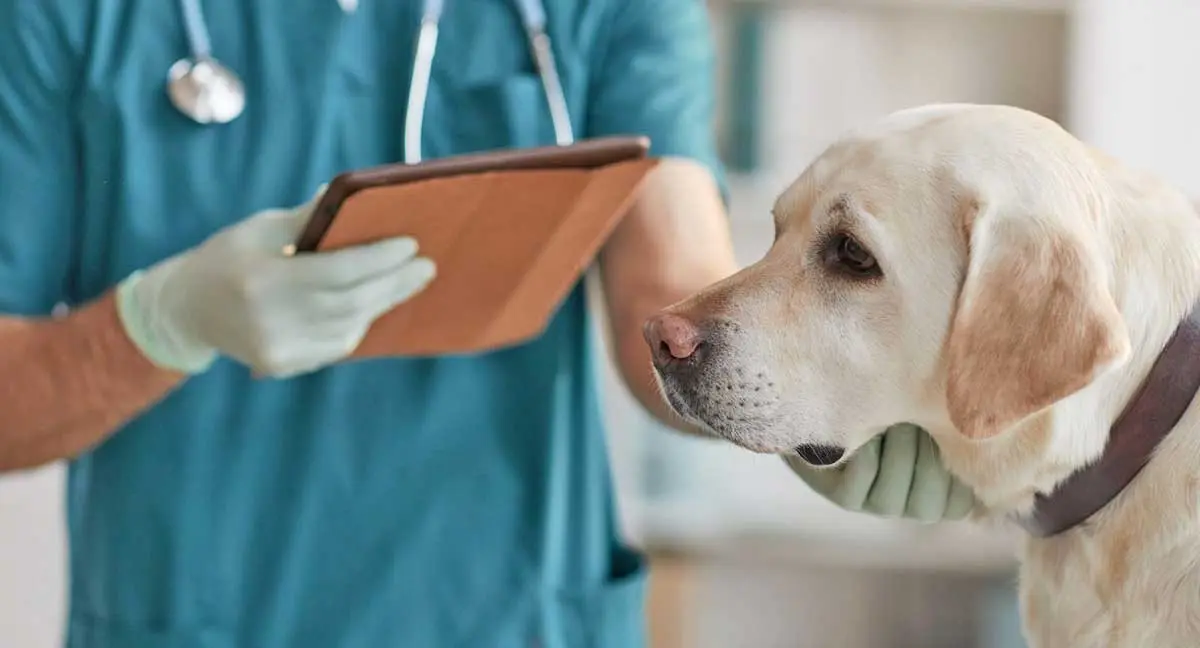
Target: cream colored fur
1028,285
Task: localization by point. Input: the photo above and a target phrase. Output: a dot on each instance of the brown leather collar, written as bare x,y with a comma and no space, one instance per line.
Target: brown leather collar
1158,405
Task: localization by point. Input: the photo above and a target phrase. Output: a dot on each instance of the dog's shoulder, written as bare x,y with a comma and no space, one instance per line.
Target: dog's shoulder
1131,576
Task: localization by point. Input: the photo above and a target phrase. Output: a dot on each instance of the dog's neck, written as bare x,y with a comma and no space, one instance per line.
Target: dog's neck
1147,419
1077,584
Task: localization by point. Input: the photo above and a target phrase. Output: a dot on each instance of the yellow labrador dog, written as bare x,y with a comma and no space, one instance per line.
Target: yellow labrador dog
978,271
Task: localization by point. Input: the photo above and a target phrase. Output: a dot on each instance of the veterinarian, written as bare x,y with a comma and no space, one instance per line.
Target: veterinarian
149,156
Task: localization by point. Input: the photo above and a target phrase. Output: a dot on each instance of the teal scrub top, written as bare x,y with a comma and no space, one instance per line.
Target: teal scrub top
431,502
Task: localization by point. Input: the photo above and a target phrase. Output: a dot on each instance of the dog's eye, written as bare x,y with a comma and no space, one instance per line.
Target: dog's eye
847,255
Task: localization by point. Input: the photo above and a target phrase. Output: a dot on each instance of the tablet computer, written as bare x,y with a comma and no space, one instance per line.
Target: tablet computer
510,231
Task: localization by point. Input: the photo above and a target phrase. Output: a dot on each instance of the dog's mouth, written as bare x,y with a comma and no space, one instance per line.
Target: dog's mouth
820,455
670,393
736,403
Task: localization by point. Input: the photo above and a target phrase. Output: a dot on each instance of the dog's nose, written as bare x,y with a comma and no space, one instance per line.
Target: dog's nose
672,337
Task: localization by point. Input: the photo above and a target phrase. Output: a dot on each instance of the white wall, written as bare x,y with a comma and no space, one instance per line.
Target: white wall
1134,88
32,572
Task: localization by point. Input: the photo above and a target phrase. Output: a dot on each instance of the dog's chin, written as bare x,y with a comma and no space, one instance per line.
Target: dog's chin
758,435
680,408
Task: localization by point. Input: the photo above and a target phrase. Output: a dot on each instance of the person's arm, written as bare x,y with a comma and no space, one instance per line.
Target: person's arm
66,383
657,79
69,383
674,243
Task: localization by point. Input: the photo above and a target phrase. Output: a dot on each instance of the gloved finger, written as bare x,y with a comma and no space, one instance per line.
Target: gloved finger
362,303
323,344
824,481
960,502
416,275
318,345
283,361
858,476
295,366
897,463
410,280
343,269
931,483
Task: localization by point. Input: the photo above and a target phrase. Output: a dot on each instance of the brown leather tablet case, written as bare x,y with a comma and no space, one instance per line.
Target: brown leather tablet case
511,233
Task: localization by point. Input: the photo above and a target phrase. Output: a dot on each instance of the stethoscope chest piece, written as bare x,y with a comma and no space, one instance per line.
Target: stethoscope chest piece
205,90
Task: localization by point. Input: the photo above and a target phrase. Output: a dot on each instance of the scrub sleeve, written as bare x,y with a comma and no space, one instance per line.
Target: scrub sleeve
38,158
657,77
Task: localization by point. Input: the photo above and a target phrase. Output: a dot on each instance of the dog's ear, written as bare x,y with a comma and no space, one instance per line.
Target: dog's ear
1035,321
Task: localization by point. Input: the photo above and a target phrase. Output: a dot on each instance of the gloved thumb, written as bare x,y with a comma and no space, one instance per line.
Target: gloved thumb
270,230
309,205
287,226
823,480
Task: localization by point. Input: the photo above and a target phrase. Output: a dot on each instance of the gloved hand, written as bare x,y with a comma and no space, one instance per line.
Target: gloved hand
237,294
899,474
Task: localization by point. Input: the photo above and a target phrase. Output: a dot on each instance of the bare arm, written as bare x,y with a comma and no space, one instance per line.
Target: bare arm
673,243
69,383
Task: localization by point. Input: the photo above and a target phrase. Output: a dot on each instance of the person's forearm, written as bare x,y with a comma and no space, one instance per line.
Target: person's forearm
69,383
674,242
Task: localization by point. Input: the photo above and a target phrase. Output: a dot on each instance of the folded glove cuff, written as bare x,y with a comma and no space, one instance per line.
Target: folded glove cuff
150,333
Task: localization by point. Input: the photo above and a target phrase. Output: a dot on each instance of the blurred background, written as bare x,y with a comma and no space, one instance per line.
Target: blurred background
744,555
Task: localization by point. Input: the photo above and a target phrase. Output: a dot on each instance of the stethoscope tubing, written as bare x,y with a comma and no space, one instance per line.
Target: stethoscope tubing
196,27
533,17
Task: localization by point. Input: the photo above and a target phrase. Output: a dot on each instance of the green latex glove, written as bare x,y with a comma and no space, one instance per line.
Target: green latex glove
239,295
899,474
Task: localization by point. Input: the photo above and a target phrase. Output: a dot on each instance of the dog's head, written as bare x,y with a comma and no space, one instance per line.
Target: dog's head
942,268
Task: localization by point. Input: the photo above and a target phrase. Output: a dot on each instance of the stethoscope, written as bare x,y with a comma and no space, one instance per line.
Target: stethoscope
210,93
